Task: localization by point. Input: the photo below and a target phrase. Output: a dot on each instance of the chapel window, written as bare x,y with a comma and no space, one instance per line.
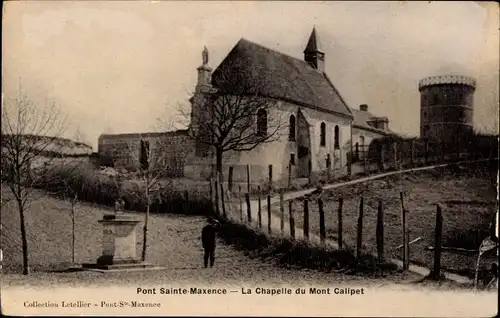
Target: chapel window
291,134
323,135
261,122
337,139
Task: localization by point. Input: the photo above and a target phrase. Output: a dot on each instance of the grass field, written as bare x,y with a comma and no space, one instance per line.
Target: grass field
173,243
468,198
469,201
49,234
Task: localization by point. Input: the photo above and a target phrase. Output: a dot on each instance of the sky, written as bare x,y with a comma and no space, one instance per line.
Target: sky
116,67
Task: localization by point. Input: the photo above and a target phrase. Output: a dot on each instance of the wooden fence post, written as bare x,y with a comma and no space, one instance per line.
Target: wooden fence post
282,211
426,154
380,232
333,165
382,159
436,272
413,153
230,179
340,161
406,246
359,236
289,174
339,225
248,178
306,218
292,219
270,178
212,200
222,194
442,150
269,213
492,153
365,163
259,211
309,172
395,150
328,168
249,209
241,202
216,191
322,231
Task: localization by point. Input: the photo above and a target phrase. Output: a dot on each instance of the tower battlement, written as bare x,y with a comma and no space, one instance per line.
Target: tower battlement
447,79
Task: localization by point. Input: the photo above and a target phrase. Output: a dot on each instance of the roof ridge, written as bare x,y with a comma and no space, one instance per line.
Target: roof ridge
294,66
275,51
298,82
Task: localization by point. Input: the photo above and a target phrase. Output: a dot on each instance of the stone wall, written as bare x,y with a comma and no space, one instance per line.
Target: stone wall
169,150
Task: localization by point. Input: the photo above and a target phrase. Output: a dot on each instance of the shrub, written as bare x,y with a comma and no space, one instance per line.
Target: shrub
91,186
285,252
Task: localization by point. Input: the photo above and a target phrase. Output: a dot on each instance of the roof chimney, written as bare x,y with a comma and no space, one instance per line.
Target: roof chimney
363,107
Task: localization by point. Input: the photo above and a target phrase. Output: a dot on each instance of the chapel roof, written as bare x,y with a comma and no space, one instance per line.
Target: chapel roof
278,76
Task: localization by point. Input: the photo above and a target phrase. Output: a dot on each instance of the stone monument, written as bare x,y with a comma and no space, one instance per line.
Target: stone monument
118,242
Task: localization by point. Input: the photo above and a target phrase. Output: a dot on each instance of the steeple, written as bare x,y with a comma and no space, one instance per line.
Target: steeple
313,53
204,71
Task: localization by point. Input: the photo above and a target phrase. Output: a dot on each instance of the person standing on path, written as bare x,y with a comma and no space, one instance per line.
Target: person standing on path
208,241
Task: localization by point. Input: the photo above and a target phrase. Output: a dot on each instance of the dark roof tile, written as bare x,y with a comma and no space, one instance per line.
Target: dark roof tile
279,76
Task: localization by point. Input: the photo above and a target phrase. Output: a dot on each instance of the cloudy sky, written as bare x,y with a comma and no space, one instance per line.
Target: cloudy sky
117,66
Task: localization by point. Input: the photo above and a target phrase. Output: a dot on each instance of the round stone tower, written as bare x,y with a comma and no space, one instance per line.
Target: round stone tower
446,108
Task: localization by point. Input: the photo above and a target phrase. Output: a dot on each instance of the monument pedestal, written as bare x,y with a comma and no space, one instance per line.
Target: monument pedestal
118,244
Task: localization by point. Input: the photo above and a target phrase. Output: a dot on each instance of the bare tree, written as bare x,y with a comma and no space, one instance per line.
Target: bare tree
80,136
69,181
237,114
152,160
28,132
71,188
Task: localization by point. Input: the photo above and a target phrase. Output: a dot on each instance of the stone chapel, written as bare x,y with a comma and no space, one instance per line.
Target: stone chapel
319,125
319,122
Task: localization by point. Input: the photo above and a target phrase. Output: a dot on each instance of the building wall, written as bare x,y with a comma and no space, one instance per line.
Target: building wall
446,112
169,150
277,153
358,134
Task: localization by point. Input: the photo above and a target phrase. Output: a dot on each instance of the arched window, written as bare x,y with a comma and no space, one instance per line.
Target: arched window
261,122
337,138
323,135
291,133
